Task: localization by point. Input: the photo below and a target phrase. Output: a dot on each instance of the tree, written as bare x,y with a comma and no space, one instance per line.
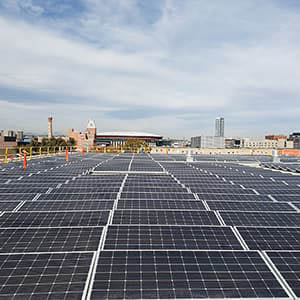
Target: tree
60,142
34,143
71,142
135,144
45,142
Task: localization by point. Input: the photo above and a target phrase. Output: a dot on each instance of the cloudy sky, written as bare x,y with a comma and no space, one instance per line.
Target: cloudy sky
163,66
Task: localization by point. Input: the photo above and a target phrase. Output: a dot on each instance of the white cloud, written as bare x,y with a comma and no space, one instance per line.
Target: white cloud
198,57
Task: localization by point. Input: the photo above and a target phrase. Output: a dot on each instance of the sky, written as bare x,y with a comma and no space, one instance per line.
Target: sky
167,67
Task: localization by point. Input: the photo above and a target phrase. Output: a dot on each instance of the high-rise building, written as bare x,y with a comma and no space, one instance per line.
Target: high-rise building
50,132
219,127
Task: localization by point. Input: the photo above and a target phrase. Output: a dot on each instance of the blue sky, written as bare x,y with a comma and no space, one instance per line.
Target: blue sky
164,66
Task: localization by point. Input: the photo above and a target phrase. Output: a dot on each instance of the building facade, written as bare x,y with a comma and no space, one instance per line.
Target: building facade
7,141
276,137
295,138
219,126
85,139
268,144
210,142
233,143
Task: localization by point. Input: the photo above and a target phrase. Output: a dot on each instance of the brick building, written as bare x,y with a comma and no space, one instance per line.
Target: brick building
87,138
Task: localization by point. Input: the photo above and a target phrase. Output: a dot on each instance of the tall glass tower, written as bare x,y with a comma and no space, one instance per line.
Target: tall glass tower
219,127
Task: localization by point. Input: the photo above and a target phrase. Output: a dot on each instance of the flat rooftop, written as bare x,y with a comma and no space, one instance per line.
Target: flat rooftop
141,226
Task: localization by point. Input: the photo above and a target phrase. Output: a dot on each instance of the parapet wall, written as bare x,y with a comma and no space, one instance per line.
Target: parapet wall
164,150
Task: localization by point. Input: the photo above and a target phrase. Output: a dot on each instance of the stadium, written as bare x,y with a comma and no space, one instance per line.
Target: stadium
119,138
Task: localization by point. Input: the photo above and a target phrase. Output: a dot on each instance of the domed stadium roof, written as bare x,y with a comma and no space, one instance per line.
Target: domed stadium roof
128,134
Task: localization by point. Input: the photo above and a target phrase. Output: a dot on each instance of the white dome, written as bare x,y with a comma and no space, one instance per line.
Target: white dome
129,134
91,124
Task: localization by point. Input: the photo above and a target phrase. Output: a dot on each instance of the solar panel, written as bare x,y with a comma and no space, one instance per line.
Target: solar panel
288,264
172,196
74,196
249,206
222,190
183,274
85,190
286,191
44,276
140,189
261,219
160,204
171,217
286,198
154,237
63,239
14,190
54,219
170,237
66,205
9,206
271,238
233,197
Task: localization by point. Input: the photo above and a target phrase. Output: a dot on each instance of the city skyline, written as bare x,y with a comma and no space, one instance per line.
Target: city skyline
160,66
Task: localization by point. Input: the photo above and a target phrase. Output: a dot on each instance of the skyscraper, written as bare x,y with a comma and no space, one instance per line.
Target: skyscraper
50,132
219,127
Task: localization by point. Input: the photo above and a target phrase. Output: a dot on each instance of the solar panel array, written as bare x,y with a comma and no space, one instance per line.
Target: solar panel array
130,226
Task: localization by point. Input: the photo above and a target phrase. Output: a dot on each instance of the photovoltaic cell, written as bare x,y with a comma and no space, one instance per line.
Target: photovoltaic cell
183,274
